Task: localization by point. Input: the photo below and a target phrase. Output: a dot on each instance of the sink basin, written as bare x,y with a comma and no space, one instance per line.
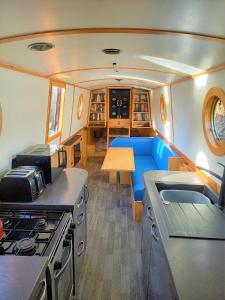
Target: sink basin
183,196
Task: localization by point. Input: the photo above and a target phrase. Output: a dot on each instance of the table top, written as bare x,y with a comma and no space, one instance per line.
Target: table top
119,159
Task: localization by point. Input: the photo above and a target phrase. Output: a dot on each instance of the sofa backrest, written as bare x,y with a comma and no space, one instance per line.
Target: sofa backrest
161,153
140,145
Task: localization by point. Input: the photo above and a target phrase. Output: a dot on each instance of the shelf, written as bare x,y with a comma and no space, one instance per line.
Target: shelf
98,102
141,112
140,102
97,112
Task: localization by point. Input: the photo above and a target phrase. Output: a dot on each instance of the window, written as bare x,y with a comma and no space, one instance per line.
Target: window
213,116
163,109
80,107
55,111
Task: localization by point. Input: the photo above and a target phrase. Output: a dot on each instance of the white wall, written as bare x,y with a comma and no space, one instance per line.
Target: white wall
67,111
24,101
187,99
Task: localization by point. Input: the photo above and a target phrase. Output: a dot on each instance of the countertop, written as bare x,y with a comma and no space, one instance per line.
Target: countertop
197,265
19,275
62,194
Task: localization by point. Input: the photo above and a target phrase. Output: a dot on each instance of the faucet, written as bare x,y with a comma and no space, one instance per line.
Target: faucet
221,202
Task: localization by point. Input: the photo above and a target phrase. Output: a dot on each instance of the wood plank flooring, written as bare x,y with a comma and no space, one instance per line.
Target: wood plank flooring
112,268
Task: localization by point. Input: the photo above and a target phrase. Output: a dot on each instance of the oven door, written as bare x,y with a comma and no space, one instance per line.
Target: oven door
63,274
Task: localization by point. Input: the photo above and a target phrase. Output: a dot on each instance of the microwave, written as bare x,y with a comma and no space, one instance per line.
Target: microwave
50,158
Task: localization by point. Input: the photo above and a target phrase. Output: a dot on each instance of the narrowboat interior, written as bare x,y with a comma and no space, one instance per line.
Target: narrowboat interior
112,150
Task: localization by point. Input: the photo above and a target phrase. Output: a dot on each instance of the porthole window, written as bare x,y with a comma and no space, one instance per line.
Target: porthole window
80,107
213,117
163,109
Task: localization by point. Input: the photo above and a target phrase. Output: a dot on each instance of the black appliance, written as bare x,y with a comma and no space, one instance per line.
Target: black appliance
43,233
77,153
50,158
22,184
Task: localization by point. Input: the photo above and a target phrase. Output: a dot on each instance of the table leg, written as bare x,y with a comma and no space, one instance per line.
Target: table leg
118,184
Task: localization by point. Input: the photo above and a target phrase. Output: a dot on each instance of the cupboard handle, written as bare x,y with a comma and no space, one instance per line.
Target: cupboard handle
149,213
43,290
80,218
82,245
153,232
86,194
78,204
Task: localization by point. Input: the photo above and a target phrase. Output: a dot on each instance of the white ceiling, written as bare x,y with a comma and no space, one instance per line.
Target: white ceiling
146,60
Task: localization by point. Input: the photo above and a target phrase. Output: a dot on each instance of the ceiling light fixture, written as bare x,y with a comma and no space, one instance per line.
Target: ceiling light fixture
41,46
111,51
115,67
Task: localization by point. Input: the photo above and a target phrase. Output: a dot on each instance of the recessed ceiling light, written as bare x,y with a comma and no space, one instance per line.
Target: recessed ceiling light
41,46
111,51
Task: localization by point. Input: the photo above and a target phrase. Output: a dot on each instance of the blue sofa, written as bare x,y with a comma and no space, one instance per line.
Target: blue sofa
150,153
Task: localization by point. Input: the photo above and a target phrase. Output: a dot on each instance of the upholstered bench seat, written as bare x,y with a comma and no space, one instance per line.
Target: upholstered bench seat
150,153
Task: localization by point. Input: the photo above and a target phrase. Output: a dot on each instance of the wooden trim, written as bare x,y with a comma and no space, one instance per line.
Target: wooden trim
76,133
214,69
137,206
121,68
119,30
58,134
207,179
1,118
217,147
171,110
163,109
105,79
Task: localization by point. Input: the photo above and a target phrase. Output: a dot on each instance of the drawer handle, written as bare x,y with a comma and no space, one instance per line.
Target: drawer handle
86,194
78,204
80,248
149,213
153,232
80,218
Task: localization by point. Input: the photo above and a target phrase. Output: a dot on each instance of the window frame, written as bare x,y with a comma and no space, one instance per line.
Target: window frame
48,138
163,109
216,146
80,106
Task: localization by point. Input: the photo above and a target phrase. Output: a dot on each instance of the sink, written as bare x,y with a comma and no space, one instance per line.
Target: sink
183,196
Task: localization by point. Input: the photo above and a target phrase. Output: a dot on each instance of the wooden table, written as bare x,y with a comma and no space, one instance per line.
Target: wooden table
119,160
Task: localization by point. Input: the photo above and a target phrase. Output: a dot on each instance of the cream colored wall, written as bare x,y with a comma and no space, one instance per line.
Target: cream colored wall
77,124
24,101
187,100
67,111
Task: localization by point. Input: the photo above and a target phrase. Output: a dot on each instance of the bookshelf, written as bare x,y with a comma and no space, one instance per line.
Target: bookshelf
97,109
141,112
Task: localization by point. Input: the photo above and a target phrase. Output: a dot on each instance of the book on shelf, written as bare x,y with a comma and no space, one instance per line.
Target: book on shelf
98,97
140,107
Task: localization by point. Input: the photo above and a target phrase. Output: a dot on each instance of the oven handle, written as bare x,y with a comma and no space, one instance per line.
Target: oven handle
82,249
58,275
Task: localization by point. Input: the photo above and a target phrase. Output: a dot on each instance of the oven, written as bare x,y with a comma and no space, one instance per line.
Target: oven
60,268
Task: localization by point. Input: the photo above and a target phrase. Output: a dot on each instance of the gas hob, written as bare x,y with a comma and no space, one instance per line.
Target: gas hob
28,232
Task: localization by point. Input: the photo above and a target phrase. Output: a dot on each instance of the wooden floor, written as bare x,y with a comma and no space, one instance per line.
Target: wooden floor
112,268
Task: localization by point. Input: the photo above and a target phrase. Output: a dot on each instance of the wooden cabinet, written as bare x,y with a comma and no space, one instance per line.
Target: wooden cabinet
97,109
158,281
141,112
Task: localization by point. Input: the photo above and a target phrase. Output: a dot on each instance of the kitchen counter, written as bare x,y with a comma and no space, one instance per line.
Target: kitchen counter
197,265
19,275
61,194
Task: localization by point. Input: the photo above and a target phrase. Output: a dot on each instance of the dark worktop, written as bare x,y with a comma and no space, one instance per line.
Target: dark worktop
62,194
197,265
19,276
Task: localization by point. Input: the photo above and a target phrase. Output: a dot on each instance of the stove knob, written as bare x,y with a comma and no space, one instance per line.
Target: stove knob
69,237
66,243
72,226
57,265
70,231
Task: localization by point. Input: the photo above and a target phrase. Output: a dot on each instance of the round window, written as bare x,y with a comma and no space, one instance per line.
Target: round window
80,107
213,116
163,109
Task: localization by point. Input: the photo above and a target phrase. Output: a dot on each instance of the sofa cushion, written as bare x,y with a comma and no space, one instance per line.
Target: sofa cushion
142,165
140,145
161,153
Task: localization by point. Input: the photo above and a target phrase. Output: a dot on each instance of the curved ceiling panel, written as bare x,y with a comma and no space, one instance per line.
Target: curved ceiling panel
22,16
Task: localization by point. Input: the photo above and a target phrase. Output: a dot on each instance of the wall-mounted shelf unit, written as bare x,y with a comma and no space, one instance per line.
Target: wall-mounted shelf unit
97,109
141,111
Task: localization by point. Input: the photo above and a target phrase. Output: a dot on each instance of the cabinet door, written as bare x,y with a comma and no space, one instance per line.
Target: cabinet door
161,285
146,245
